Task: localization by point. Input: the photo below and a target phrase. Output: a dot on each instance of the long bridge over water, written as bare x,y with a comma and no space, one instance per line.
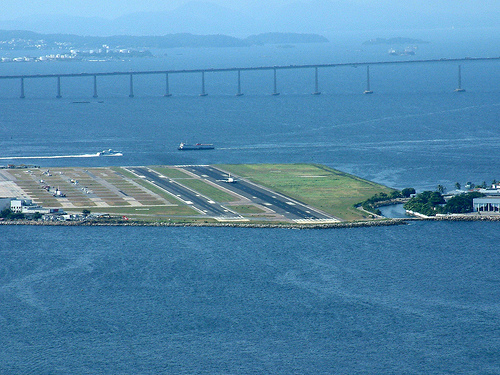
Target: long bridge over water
165,73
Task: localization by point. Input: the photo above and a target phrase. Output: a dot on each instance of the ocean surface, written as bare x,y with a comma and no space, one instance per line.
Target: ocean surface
421,298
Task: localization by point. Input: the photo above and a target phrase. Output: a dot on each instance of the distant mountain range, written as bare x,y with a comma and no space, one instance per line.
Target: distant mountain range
18,39
319,16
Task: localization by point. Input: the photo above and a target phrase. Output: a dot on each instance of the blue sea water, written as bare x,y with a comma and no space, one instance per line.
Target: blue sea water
415,299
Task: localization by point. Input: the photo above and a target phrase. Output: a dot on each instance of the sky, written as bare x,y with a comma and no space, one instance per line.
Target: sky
110,9
316,16
11,9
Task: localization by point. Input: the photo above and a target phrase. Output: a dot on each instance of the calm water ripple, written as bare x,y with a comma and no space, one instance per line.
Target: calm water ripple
416,299
421,298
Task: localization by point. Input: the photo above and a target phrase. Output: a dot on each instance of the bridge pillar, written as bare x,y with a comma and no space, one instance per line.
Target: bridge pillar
22,89
203,93
368,90
316,85
131,94
95,87
275,91
459,88
239,93
58,87
167,88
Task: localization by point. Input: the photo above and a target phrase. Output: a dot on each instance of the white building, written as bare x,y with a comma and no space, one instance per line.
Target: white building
16,205
26,206
487,204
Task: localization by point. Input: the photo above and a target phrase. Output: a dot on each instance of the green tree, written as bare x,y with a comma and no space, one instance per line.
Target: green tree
5,213
427,203
435,198
86,212
10,215
461,203
458,186
406,192
441,189
395,194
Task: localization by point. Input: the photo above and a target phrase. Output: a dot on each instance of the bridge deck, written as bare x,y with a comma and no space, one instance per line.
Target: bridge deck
235,69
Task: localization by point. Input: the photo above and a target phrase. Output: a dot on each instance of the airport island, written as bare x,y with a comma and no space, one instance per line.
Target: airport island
247,195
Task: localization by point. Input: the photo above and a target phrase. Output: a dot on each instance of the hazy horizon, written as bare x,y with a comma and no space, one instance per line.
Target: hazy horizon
238,18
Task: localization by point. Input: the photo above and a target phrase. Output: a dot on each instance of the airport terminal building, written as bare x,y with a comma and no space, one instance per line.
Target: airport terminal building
487,204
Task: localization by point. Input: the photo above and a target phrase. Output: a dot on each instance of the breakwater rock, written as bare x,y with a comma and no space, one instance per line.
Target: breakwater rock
355,224
350,224
464,218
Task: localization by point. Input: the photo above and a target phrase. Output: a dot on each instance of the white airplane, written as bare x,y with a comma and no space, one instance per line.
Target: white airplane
229,179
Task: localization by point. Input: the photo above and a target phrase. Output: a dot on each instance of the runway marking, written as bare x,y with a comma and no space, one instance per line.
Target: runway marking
316,221
225,218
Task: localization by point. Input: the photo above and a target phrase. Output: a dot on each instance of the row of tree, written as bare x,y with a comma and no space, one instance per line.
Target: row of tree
431,203
8,214
372,203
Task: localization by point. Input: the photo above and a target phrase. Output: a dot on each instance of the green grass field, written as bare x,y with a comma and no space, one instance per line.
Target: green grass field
325,188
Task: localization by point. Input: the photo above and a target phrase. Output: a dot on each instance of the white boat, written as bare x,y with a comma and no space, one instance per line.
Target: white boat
109,152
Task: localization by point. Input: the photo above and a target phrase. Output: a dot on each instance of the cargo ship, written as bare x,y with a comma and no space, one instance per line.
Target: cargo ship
196,146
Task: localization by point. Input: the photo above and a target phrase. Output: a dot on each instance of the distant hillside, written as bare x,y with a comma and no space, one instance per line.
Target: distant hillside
204,17
18,39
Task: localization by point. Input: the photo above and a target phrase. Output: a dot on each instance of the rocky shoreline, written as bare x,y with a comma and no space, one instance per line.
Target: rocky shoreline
461,218
374,223
353,224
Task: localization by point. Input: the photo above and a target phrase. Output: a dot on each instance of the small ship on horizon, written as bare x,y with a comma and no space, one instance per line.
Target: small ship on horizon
408,51
197,146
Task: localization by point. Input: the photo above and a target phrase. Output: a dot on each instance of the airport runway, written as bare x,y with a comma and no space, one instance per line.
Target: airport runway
183,193
281,204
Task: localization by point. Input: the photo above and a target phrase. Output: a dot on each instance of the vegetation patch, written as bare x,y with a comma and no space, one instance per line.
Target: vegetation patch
431,203
381,199
330,190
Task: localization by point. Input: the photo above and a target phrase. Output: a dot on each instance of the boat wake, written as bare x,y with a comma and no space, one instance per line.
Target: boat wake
53,157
